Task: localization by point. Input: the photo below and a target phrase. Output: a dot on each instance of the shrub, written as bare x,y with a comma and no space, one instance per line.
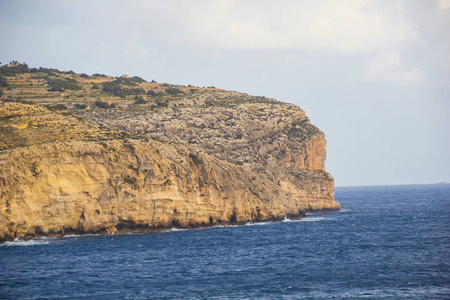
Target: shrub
83,75
162,103
140,100
114,88
151,93
160,94
14,69
125,81
135,91
3,81
60,106
137,79
130,180
110,86
60,85
49,71
174,91
102,104
11,99
80,106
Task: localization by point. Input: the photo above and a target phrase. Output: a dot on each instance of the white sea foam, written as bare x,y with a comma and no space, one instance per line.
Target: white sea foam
178,229
220,226
307,219
72,236
33,242
311,219
258,223
80,235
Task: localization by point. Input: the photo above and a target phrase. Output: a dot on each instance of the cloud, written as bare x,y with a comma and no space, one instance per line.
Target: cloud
388,67
444,4
322,25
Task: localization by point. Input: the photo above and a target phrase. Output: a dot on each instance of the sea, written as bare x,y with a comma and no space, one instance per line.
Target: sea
387,242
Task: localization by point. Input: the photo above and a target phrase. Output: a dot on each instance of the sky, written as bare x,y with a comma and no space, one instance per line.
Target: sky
374,76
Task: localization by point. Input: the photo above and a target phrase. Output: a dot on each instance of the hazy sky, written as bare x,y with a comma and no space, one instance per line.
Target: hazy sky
373,75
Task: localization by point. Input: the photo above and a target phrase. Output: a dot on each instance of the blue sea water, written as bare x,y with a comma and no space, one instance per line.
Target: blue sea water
390,242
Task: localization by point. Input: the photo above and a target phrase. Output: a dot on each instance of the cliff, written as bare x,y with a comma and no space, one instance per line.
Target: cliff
168,156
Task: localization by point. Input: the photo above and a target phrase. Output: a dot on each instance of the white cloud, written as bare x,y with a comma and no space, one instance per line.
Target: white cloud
444,4
322,25
388,67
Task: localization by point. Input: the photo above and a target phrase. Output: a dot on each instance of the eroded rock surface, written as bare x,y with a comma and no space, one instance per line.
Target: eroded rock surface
210,158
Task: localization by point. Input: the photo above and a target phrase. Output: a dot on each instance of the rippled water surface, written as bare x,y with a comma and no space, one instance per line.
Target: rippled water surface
386,243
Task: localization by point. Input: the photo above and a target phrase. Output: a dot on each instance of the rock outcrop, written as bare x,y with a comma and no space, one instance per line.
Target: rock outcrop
213,158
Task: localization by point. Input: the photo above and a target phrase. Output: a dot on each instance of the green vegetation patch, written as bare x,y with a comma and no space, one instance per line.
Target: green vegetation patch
14,69
115,87
3,81
132,81
228,102
302,130
174,91
140,100
18,100
58,106
103,104
59,85
161,103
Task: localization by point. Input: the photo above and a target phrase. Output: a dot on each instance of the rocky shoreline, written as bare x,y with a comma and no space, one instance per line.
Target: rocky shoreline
124,228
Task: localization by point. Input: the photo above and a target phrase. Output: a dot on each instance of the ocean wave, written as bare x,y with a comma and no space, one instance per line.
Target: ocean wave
80,235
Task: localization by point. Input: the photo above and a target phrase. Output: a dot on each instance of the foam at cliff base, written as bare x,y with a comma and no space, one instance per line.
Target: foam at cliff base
33,242
178,229
258,224
307,219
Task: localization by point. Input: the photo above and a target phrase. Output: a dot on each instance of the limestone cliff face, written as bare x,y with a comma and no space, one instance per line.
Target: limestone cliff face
125,185
194,162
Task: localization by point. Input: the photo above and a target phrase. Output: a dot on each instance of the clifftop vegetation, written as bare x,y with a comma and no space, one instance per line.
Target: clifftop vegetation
236,127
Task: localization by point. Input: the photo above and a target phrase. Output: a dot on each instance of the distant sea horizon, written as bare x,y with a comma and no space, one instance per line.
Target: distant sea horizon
388,185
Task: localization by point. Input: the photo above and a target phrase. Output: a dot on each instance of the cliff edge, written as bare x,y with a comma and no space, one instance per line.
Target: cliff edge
107,155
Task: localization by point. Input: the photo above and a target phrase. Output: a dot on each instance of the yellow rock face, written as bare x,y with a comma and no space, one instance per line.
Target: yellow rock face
60,174
85,187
